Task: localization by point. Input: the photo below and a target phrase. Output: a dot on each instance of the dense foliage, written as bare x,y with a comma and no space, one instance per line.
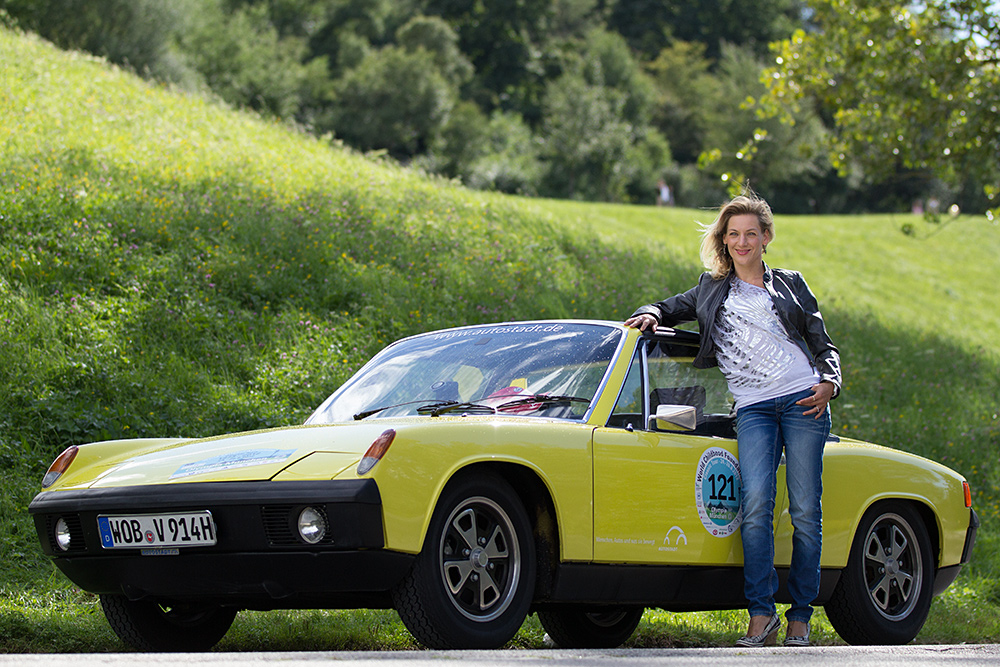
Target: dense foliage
909,89
579,99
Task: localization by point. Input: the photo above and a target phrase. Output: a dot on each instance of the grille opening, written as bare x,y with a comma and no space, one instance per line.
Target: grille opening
75,525
280,525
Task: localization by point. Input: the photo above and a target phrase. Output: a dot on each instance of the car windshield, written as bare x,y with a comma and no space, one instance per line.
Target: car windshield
550,369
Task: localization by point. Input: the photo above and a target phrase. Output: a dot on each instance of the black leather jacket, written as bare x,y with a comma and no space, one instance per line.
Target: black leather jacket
795,303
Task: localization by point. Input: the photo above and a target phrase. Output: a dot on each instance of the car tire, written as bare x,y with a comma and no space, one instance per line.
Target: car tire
471,585
577,626
885,591
148,626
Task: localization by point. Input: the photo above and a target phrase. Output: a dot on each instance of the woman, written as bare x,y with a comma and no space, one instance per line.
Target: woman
762,326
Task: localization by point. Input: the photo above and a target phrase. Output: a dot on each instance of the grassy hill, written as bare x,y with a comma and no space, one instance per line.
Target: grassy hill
172,267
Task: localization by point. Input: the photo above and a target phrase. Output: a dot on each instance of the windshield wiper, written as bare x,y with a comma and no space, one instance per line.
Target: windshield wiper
551,399
438,409
369,413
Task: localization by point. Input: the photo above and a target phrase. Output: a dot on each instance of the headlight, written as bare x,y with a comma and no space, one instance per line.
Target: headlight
312,525
62,534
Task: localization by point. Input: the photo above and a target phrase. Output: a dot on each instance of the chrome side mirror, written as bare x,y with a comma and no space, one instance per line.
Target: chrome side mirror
669,417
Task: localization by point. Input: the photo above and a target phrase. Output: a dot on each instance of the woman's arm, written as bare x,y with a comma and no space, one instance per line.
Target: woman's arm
826,356
667,313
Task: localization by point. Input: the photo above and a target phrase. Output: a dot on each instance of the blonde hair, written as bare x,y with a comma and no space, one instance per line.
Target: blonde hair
713,249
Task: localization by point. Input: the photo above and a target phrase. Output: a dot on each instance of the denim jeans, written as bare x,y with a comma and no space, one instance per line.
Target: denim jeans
763,430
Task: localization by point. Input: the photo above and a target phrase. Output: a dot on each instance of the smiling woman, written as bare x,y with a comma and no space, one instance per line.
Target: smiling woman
762,327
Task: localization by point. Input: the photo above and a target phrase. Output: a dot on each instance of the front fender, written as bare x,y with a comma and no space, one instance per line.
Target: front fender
425,456
857,475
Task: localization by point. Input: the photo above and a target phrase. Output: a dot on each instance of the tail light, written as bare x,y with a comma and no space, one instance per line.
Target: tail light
968,493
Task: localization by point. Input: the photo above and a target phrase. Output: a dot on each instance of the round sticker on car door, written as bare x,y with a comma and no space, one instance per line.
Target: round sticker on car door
717,487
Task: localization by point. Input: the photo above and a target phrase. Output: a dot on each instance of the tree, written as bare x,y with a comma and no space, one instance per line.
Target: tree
247,63
607,61
434,35
596,132
395,100
681,72
503,39
585,139
509,160
133,33
652,25
741,146
904,86
352,28
291,18
487,153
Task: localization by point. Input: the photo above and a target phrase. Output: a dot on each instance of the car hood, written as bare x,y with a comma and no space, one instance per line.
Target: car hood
252,456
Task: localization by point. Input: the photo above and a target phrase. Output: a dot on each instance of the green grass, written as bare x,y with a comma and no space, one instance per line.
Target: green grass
170,267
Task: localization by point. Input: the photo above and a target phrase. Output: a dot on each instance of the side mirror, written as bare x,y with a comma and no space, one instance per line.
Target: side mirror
669,417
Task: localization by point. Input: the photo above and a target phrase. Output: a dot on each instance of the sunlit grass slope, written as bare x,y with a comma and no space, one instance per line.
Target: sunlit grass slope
171,267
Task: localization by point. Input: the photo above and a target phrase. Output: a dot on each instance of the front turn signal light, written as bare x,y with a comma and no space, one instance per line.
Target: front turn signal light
968,493
59,466
376,451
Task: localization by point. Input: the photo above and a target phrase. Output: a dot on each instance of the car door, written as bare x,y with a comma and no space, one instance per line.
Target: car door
669,496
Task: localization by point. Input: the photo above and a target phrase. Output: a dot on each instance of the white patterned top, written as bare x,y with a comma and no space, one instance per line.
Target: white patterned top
758,358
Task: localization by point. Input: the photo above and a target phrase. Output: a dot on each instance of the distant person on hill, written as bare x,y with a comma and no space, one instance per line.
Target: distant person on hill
663,197
763,328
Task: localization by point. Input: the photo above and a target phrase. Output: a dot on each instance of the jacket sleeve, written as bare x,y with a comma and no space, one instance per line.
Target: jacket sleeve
826,356
673,310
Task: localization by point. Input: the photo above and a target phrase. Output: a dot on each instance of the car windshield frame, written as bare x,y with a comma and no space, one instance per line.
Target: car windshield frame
483,369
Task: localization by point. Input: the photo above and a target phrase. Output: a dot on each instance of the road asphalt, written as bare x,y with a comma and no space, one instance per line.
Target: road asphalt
962,655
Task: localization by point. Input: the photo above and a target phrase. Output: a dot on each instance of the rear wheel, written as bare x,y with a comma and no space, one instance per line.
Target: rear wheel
885,591
148,626
471,585
577,626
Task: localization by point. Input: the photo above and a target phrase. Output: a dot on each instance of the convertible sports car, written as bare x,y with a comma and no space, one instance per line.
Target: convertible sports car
468,477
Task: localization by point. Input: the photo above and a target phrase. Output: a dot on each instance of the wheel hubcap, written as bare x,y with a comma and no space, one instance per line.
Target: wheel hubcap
480,559
893,567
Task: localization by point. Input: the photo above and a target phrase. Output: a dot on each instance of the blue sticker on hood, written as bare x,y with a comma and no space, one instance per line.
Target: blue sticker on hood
241,459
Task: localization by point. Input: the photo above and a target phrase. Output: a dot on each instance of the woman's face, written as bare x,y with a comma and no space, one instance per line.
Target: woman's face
745,241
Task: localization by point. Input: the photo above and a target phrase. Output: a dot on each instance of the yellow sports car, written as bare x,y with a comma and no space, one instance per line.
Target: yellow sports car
469,477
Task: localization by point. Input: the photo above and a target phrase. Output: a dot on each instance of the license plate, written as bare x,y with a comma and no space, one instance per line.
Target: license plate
184,529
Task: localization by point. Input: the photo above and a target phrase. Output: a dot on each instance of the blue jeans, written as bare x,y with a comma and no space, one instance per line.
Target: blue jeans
763,430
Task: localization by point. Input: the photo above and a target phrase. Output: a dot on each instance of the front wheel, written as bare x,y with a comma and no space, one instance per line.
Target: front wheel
149,626
577,626
885,591
472,583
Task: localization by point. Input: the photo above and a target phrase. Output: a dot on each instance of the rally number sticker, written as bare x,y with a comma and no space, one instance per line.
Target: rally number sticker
717,488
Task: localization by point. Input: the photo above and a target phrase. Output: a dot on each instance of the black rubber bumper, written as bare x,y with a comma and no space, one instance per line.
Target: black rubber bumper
945,576
259,560
326,580
970,536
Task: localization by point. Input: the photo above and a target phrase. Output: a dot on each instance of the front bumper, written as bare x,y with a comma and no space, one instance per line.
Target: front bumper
258,562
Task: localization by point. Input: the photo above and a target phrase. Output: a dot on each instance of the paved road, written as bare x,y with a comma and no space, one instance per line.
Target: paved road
845,656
